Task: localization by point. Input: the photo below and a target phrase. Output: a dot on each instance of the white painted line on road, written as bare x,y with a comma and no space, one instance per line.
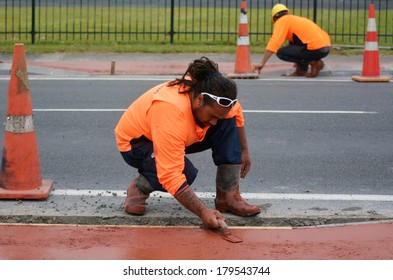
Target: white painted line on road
78,110
308,112
261,196
118,78
168,78
245,111
308,80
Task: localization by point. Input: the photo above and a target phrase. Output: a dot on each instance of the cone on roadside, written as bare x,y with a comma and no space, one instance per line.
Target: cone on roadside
371,71
243,67
20,175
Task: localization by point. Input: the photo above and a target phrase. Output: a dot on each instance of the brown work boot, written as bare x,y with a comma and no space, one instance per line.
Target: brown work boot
137,193
316,66
228,198
301,70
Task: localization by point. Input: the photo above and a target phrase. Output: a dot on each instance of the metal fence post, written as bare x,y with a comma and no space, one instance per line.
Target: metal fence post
172,30
315,11
32,22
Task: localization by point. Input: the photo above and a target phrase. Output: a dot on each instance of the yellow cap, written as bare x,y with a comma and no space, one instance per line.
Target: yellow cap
278,8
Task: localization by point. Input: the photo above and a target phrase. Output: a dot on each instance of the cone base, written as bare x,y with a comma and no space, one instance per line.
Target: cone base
243,76
370,79
40,193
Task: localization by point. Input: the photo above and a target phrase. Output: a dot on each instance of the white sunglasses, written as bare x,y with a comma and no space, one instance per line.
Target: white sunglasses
222,101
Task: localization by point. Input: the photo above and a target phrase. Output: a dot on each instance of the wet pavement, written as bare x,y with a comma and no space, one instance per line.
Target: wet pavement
52,239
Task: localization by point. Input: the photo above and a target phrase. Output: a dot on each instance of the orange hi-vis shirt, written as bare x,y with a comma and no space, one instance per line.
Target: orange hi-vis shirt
165,117
306,30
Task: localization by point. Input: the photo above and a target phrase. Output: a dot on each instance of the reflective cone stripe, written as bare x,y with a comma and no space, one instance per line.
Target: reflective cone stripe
371,46
243,41
20,176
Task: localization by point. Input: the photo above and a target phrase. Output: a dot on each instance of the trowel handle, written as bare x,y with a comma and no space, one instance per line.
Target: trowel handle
222,224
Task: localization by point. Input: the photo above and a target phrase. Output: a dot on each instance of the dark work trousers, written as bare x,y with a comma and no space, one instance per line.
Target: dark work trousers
222,139
299,54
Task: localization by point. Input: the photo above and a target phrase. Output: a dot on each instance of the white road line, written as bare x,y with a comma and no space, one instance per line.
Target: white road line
263,196
308,112
167,78
321,79
245,111
78,110
118,78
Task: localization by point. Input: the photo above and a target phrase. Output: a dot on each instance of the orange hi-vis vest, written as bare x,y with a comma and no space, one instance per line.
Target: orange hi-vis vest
306,30
165,117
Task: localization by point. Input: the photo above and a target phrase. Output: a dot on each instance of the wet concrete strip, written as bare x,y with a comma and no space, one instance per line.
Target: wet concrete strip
81,242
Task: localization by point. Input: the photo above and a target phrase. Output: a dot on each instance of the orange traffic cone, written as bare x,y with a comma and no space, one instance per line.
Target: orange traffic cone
20,176
243,67
371,72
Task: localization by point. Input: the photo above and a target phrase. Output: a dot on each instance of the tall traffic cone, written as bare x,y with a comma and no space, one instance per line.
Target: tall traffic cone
370,71
243,67
20,176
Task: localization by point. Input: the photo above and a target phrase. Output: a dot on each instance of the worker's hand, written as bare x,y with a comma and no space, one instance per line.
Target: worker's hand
246,164
210,218
258,67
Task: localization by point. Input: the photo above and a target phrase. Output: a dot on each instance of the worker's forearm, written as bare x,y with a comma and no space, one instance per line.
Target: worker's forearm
266,56
189,200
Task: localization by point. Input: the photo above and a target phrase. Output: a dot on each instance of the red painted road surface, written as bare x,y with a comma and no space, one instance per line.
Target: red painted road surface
85,242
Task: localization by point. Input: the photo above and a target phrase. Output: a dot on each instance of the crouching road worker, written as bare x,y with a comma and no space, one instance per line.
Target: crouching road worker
191,114
308,43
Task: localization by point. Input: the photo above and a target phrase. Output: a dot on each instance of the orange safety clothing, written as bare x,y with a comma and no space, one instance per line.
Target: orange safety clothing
165,117
306,30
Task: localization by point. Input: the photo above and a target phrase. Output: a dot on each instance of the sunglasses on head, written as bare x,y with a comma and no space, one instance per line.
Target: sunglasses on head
222,101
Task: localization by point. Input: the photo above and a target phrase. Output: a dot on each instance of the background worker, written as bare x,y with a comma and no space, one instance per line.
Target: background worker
308,43
191,114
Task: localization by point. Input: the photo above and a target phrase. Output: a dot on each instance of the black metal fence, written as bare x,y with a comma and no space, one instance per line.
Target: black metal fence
181,21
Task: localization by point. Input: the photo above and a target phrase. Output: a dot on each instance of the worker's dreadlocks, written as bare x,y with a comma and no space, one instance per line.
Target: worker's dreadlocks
202,75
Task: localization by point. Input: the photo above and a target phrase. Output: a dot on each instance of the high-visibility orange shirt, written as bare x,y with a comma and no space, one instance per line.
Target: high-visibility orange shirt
165,117
306,30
